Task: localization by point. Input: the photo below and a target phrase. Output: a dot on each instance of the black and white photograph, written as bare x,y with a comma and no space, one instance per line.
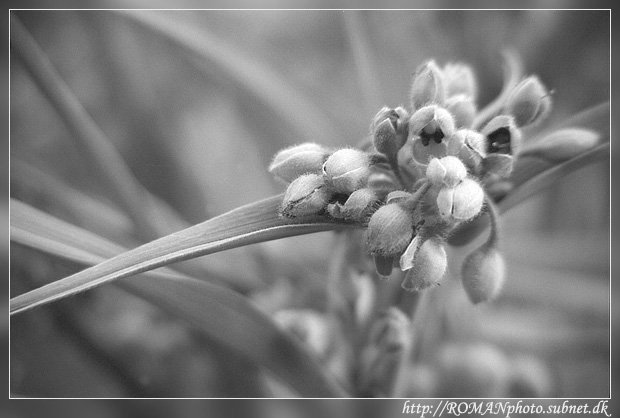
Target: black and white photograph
396,204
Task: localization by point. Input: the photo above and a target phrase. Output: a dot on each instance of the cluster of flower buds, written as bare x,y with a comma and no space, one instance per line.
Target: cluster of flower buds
431,167
326,182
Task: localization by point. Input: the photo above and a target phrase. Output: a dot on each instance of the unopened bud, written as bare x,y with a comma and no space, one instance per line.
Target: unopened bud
503,136
360,204
430,129
499,165
391,332
292,162
427,86
463,109
381,358
483,273
429,266
460,79
435,172
469,146
390,130
347,169
564,144
389,231
307,195
365,297
307,325
461,202
448,171
529,102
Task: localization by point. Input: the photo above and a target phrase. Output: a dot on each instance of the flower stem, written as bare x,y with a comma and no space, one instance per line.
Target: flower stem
493,218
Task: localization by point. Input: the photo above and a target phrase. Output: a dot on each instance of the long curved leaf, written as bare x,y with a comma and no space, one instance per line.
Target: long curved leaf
253,223
108,222
219,313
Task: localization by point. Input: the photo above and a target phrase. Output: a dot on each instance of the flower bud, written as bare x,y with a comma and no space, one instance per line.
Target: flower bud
307,195
462,202
389,231
390,130
427,86
292,162
391,331
307,325
360,204
429,266
499,165
529,102
460,79
365,297
435,172
463,109
483,274
564,144
382,357
347,169
430,129
448,171
469,146
503,136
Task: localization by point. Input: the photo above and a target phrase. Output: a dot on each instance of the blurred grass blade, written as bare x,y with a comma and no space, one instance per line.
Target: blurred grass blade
253,223
363,59
513,71
29,182
308,121
595,118
151,215
527,188
553,175
109,222
221,314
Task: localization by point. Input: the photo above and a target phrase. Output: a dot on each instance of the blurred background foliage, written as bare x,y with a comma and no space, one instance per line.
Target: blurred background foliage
199,132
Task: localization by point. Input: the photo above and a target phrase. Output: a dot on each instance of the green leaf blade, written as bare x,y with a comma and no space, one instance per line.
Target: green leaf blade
250,224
